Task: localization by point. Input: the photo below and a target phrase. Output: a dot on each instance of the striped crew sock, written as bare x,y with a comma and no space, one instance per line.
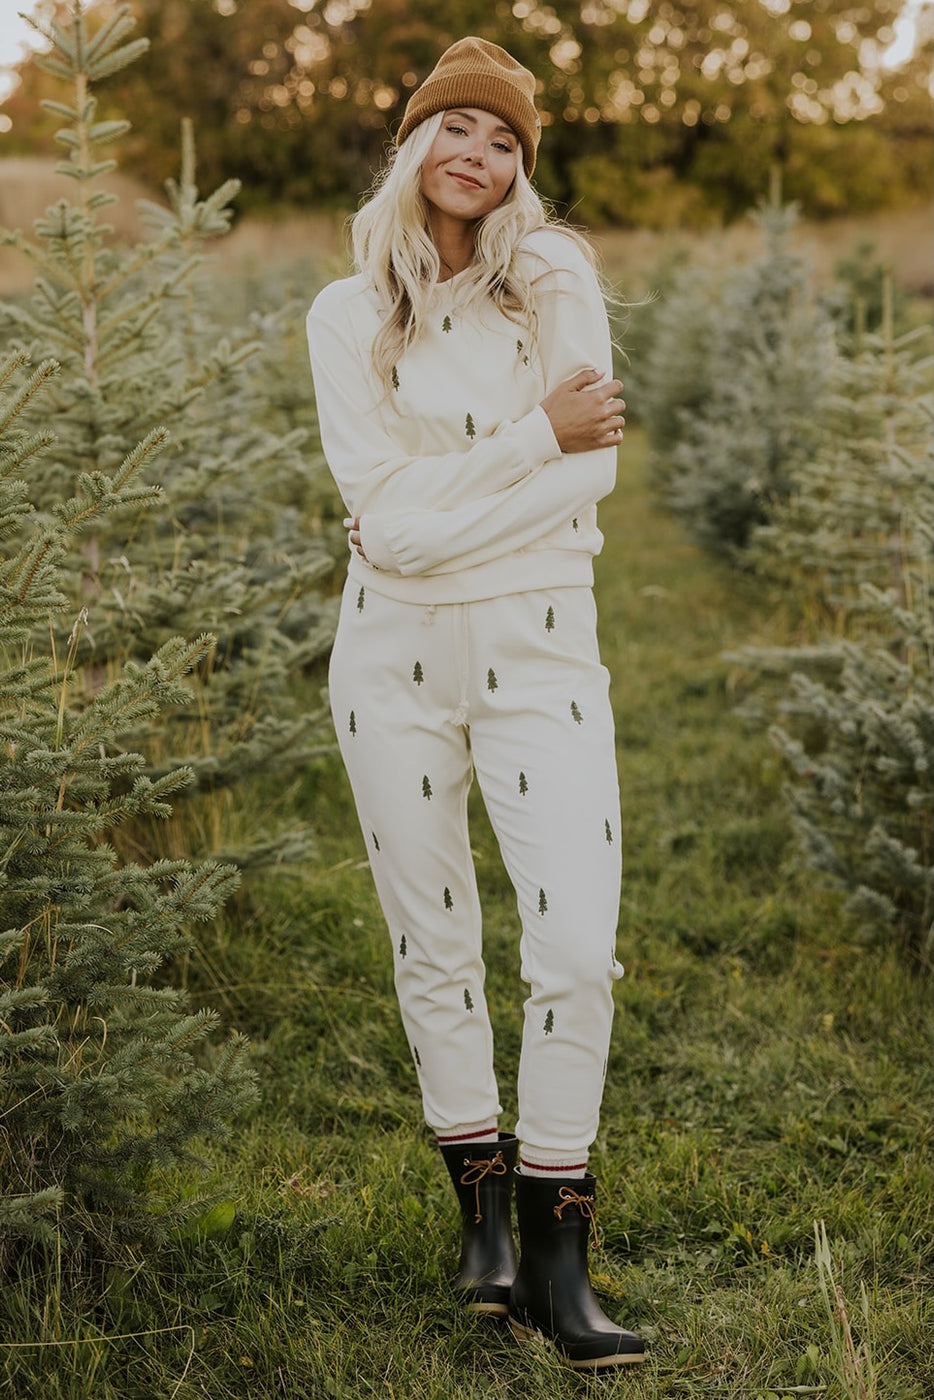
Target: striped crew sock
479,1133
534,1166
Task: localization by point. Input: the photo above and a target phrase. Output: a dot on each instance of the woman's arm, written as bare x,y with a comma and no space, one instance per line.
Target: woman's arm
370,471
573,334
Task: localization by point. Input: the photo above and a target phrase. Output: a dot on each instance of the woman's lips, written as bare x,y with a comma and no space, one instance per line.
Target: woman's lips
466,180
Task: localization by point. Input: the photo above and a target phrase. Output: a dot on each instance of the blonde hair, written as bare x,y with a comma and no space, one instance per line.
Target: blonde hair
393,249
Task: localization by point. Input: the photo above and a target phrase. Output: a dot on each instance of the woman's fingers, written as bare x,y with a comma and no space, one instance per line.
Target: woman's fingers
585,413
352,525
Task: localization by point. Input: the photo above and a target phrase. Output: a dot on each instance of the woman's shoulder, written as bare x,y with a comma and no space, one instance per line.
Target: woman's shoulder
338,296
554,249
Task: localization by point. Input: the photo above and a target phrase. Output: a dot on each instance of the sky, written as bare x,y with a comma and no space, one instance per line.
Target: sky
16,38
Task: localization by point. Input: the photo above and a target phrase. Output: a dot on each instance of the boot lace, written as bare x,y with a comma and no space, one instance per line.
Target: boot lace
478,1169
585,1204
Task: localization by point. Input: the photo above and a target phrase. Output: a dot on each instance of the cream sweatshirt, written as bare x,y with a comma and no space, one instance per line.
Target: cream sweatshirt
460,486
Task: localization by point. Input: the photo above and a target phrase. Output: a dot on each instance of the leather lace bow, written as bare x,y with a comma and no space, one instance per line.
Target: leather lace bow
477,1171
585,1204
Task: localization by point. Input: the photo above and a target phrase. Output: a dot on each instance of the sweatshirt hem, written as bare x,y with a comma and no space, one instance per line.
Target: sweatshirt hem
518,573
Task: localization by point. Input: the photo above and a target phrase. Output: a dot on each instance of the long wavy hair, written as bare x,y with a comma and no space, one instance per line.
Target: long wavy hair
393,249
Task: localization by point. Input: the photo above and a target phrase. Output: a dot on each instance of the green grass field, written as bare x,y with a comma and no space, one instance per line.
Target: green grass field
767,1073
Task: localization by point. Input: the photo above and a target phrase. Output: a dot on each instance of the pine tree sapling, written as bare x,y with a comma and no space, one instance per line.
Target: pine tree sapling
730,387
137,332
854,541
105,1077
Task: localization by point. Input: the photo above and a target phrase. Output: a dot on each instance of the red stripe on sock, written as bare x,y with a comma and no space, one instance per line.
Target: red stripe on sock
543,1167
469,1137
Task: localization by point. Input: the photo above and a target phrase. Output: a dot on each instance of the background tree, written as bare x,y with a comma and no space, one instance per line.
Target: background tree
853,545
139,335
105,1083
658,113
730,386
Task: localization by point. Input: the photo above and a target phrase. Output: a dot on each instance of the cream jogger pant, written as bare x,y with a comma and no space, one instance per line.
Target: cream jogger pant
513,689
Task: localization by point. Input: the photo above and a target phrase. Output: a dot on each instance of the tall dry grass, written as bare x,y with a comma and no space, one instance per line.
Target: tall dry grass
903,239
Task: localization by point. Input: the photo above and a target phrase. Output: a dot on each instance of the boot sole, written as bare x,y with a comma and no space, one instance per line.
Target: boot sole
488,1309
531,1335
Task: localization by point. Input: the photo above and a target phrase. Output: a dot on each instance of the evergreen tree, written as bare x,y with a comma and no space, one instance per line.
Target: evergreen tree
105,1076
731,386
854,542
136,332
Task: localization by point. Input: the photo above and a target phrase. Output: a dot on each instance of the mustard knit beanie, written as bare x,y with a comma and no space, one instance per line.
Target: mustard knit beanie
475,73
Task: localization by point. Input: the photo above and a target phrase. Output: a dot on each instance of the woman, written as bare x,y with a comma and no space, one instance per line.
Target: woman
470,419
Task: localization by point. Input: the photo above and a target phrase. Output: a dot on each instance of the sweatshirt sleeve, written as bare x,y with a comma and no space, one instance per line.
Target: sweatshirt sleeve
573,334
370,471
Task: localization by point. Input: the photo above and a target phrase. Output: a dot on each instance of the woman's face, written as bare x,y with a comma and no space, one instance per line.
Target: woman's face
471,165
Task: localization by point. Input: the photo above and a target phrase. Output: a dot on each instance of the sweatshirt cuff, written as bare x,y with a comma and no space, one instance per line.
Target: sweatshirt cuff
541,443
377,550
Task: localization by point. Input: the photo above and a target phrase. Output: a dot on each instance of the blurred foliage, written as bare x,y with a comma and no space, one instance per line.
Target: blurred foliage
655,113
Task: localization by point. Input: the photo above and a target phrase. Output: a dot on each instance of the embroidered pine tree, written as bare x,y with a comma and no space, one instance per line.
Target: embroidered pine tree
418,674
519,349
468,1000
469,427
403,947
426,788
575,713
353,723
448,901
417,1057
574,525
491,682
394,377
550,619
542,902
446,324
523,784
361,599
608,831
549,1022
375,840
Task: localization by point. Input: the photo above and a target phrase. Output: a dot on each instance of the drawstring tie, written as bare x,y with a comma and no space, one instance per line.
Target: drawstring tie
586,1206
477,1171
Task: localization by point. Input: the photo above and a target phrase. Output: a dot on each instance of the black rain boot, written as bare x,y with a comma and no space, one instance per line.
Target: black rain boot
552,1295
482,1174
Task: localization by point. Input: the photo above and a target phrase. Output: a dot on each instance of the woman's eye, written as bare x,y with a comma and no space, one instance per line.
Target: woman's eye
457,130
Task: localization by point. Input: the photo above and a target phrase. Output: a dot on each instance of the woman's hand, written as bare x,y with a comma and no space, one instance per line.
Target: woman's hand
353,529
586,414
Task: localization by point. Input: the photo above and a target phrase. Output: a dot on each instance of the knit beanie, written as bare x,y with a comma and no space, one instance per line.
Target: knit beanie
475,73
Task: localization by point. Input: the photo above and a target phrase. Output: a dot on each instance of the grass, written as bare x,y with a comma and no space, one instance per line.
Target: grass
767,1074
